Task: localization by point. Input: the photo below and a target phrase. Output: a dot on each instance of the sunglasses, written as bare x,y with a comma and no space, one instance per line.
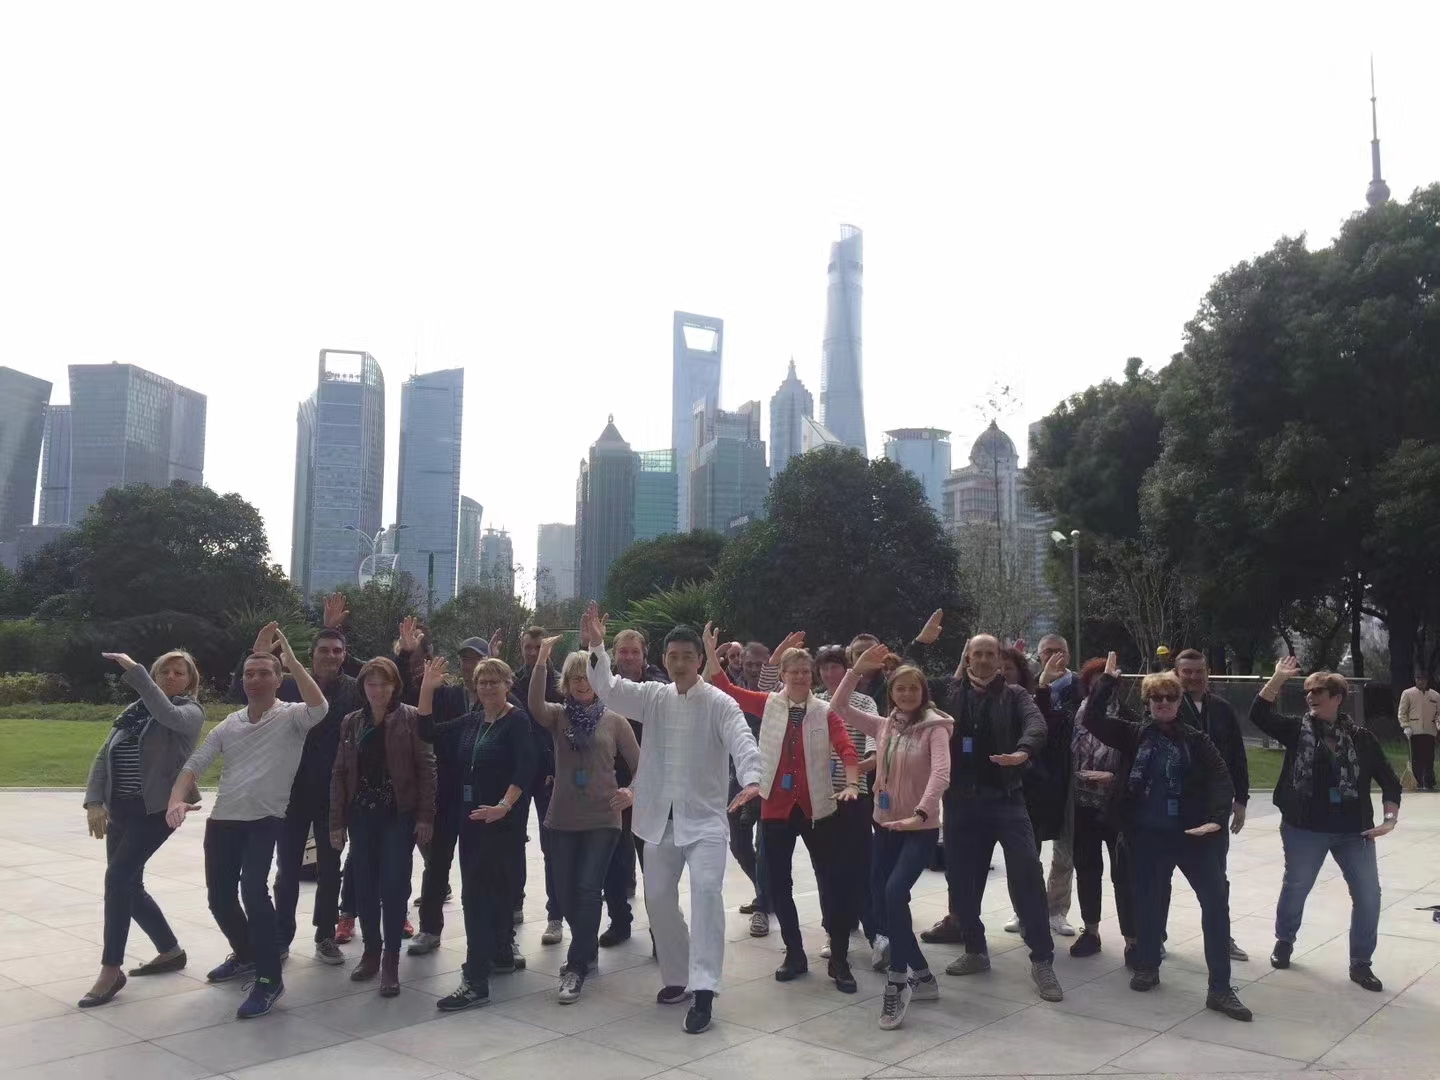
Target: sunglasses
1163,697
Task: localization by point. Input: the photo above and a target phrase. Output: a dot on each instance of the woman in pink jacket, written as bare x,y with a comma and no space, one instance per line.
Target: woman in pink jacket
912,771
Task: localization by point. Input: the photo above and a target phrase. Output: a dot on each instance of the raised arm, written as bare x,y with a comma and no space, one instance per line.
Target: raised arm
1110,730
310,691
1284,729
744,751
844,748
546,713
187,719
750,701
859,719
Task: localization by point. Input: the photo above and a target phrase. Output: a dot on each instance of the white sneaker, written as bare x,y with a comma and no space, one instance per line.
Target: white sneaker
571,983
1059,925
759,924
893,1005
880,953
554,933
927,989
825,952
423,943
1013,926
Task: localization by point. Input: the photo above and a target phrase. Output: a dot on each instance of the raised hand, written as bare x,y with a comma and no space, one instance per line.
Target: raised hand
497,642
120,658
793,640
335,612
410,634
711,636
930,632
265,639
547,647
1112,666
287,654
436,668
1203,830
872,658
1287,668
593,624
1054,668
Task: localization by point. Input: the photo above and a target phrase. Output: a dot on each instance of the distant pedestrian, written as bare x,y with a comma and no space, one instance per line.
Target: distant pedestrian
1420,721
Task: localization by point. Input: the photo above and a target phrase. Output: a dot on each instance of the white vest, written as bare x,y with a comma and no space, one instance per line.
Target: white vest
815,741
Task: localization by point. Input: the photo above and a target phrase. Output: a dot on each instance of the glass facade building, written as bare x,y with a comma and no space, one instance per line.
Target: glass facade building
729,478
470,514
339,471
695,384
604,509
431,410
657,489
555,563
23,399
842,401
497,561
926,453
130,426
790,406
55,467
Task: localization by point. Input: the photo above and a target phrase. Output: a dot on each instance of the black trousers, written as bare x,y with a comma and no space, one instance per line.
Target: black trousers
435,882
237,857
1422,760
300,819
132,837
845,888
520,870
973,826
620,877
487,893
821,840
1093,838
1202,860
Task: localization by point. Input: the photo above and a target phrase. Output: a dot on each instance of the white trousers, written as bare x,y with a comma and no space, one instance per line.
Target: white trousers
686,959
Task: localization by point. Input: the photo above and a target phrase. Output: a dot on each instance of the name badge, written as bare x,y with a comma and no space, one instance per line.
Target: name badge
787,782
967,745
468,794
1172,807
1335,796
581,778
883,800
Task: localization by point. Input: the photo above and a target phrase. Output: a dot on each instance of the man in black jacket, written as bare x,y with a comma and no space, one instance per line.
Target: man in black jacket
309,808
1170,799
1216,717
998,728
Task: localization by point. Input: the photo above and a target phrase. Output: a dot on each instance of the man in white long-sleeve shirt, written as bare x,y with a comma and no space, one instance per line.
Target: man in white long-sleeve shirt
681,788
261,746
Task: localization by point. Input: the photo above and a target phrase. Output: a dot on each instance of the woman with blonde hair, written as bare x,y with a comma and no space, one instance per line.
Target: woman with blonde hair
126,799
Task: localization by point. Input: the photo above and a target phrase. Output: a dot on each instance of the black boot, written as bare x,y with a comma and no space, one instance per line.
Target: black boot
795,964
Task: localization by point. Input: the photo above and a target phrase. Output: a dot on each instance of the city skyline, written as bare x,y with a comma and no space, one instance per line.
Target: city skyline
428,497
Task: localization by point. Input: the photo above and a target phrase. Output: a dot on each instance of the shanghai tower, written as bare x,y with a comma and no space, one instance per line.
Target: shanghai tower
842,402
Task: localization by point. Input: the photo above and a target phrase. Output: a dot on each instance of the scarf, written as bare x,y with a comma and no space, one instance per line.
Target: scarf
581,721
1171,754
133,721
1311,745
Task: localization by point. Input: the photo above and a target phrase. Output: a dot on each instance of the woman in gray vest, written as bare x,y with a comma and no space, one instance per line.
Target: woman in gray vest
126,799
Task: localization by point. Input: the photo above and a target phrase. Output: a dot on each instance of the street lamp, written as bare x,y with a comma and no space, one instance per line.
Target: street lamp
1073,540
374,542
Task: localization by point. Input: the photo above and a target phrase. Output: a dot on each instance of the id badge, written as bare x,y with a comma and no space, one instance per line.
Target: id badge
787,782
1172,807
883,800
468,794
1335,796
581,778
967,745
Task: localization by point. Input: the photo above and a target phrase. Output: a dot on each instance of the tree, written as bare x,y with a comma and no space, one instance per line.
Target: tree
847,545
651,566
1004,596
659,613
1147,594
478,611
376,609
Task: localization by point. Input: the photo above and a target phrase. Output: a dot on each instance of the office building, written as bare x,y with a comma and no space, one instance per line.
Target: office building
790,406
497,561
431,408
926,453
814,435
130,426
699,342
55,467
729,478
657,487
604,509
842,400
555,564
23,399
470,513
29,539
339,472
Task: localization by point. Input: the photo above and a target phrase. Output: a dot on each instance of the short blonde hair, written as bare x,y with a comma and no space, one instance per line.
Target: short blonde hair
625,635
1159,680
1331,682
577,663
192,670
794,658
492,665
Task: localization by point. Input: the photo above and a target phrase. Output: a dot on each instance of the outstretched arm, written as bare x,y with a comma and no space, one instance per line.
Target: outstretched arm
860,720
1284,729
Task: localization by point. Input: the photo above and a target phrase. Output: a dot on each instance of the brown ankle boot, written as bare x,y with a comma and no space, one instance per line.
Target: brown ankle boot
390,975
367,968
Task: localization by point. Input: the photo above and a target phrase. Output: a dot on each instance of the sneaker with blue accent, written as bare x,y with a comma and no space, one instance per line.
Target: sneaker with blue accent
230,969
263,994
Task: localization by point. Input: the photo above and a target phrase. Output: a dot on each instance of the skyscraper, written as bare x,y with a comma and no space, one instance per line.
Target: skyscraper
842,400
22,433
789,406
497,561
729,478
555,563
657,487
1378,192
926,453
130,426
339,471
431,407
604,509
470,514
695,382
55,467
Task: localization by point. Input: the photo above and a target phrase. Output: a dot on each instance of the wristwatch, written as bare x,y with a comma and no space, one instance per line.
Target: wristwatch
1392,817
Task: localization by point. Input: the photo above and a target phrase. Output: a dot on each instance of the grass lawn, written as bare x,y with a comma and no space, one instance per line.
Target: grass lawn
1265,764
56,753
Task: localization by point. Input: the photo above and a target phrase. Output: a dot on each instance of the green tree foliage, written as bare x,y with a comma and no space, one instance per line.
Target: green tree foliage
652,566
660,612
478,611
376,609
847,545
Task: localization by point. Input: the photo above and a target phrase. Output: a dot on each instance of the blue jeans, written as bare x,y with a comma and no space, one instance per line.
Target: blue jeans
383,847
579,860
1202,860
897,861
541,798
133,836
620,877
1305,853
238,856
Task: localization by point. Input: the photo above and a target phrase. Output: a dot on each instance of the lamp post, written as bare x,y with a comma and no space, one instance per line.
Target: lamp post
1073,540
374,543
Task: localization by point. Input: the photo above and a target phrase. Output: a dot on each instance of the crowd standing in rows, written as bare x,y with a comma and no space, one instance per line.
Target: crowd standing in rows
877,769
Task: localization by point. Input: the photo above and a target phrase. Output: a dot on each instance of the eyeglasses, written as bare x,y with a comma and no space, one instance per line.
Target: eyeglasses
488,684
1164,697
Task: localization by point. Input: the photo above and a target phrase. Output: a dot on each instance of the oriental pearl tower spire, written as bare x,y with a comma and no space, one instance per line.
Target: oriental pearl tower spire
1378,192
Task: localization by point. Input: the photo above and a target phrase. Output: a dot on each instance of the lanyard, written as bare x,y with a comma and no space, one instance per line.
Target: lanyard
791,735
890,744
484,735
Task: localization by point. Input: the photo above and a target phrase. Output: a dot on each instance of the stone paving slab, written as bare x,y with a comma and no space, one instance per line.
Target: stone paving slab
1309,1019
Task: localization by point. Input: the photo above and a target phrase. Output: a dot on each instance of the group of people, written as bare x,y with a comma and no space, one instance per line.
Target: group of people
879,769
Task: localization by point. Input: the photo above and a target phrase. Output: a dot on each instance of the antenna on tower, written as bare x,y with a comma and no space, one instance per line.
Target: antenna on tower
1378,192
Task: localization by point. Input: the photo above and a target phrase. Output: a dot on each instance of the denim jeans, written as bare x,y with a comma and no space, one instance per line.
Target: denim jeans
238,854
521,813
973,826
1305,853
1202,860
439,857
300,820
384,845
132,837
620,877
487,892
581,858
897,861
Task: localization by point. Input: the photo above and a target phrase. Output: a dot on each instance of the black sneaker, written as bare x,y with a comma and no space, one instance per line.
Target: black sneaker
230,969
516,956
839,970
1144,980
614,935
1361,975
944,932
263,994
1087,944
1280,955
503,965
672,995
698,1018
750,908
794,965
1228,1004
465,996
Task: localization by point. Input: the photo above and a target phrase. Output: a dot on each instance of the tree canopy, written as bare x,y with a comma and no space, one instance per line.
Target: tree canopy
651,566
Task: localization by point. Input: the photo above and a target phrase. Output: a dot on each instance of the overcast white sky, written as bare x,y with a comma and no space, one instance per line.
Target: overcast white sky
530,190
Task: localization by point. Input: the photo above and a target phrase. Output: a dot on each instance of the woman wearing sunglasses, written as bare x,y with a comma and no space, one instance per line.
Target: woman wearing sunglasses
1170,800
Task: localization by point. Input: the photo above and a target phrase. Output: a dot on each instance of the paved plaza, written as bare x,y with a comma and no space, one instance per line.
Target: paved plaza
176,1027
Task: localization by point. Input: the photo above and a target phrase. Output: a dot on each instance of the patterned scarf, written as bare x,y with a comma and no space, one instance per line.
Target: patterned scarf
582,720
1311,745
1171,753
133,721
